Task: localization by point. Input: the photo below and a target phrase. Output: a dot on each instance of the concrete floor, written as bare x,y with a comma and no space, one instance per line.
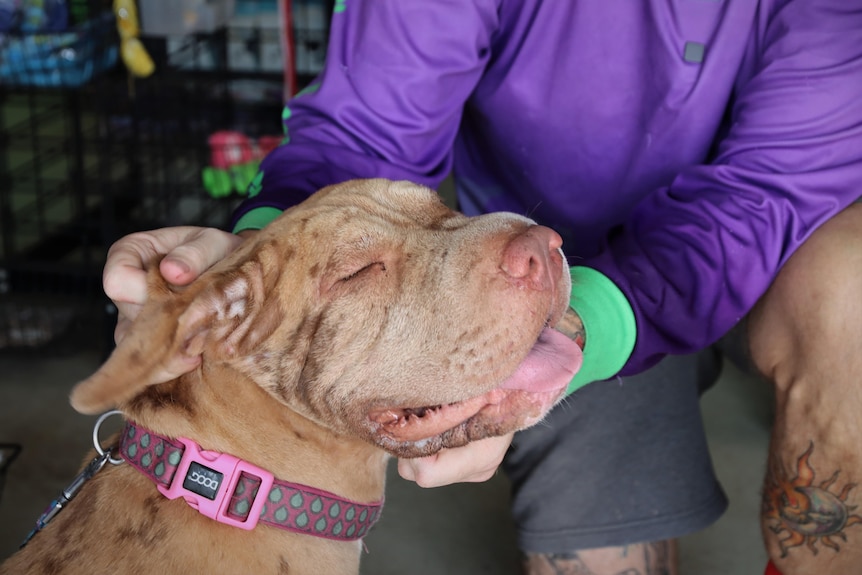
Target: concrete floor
462,529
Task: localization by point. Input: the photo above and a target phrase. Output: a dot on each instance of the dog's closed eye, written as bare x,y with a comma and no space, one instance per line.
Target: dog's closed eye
365,271
346,278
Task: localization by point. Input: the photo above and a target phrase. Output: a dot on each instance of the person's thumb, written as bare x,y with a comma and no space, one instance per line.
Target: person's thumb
202,249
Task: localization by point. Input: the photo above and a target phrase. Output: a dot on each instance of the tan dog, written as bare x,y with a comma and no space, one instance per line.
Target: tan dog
368,320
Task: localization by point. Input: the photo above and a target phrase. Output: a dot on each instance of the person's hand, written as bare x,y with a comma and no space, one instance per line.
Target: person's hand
478,461
188,251
473,463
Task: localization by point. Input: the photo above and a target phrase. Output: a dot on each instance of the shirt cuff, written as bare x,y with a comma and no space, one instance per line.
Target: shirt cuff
609,324
256,219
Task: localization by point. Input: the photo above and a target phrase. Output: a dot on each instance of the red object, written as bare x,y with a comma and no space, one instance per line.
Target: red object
266,144
230,149
287,47
771,569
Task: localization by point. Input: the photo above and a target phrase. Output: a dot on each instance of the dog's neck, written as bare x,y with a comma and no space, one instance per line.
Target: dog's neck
222,410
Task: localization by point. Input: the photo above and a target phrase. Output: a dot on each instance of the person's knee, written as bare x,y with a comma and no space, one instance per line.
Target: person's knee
804,335
653,557
811,317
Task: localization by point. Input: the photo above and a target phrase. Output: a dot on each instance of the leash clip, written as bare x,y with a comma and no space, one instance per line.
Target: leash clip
97,444
69,493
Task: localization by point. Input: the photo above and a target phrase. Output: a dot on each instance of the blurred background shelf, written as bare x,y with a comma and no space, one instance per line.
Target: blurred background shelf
90,156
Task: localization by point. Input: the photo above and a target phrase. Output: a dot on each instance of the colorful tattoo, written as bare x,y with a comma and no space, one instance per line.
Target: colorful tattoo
572,326
806,512
656,559
555,564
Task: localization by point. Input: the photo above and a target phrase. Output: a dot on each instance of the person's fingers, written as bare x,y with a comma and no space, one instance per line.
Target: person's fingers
473,463
126,286
124,278
201,248
188,252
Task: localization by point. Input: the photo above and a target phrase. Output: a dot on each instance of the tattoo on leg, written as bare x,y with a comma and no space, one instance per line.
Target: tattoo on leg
657,560
555,564
807,513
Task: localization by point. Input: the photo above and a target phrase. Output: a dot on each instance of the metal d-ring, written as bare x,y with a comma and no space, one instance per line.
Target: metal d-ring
99,449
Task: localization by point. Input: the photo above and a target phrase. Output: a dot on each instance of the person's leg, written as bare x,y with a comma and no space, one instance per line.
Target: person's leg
619,464
806,337
659,558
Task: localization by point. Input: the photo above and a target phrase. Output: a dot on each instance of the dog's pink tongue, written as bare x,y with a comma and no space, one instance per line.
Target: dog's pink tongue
550,365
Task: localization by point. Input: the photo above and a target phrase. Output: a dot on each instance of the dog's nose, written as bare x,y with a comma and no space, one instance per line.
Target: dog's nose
528,257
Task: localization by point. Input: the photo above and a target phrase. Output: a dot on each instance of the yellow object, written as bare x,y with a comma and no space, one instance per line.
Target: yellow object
136,59
132,52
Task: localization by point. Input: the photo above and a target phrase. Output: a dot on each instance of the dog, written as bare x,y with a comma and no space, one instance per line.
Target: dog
368,321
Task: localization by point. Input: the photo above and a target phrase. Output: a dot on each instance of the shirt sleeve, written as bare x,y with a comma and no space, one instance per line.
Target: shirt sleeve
695,256
387,104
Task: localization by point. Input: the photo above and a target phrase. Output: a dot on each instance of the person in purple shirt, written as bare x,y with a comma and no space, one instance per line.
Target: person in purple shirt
701,160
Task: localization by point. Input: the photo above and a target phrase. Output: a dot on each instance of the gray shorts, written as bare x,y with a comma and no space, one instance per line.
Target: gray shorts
618,462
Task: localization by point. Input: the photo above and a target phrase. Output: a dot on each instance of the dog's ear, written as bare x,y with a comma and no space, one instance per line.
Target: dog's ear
223,313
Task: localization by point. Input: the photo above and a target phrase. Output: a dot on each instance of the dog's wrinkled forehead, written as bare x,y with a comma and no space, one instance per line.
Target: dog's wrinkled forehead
396,203
343,225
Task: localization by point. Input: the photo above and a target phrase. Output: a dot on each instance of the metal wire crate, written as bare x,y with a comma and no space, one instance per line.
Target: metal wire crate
54,176
81,166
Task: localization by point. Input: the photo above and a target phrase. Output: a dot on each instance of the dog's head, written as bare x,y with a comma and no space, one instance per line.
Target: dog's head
375,311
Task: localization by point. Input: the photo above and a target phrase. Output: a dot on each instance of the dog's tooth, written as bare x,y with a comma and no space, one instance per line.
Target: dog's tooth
386,416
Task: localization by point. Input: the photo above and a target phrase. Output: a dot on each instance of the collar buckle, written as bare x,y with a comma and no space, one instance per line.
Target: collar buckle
207,479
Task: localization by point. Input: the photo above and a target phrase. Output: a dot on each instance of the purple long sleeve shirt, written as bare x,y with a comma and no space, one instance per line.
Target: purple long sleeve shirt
682,148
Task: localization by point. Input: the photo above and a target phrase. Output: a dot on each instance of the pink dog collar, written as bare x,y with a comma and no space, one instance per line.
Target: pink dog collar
238,493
